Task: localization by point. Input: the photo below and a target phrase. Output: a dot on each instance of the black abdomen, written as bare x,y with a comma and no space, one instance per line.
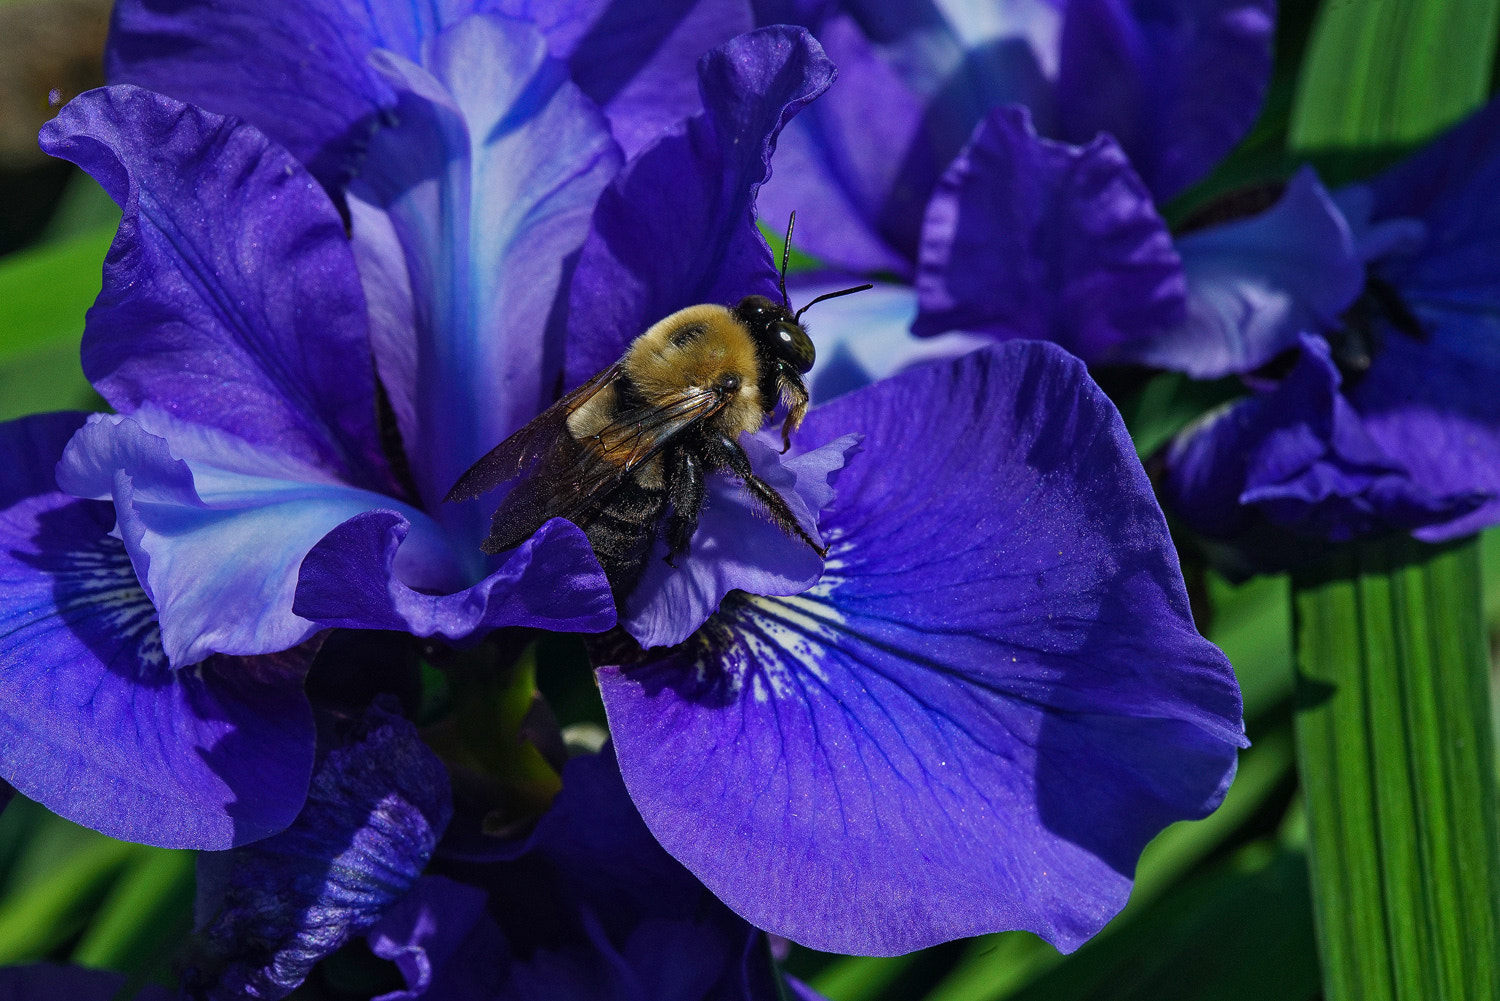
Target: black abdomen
623,533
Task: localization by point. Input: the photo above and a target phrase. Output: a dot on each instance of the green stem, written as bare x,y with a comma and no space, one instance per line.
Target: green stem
1396,759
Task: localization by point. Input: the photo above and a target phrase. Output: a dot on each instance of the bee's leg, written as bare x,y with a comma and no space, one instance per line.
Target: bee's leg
685,489
728,452
794,395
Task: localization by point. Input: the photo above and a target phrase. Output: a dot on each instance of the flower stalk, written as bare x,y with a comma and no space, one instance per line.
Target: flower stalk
1397,764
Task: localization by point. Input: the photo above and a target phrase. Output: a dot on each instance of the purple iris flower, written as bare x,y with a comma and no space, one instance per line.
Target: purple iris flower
232,339
267,912
1382,303
293,403
961,714
971,718
1000,164
587,906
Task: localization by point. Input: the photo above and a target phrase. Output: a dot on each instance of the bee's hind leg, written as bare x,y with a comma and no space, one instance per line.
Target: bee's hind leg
685,490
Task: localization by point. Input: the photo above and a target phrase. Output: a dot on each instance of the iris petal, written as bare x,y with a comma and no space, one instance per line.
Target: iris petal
1026,237
551,581
94,724
218,534
991,701
299,72
489,177
689,200
1300,456
230,295
1257,284
1177,82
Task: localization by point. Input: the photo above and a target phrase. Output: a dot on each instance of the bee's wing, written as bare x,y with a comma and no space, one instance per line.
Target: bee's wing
576,477
526,448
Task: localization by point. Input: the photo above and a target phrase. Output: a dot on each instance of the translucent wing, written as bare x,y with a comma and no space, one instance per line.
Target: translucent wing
523,450
567,477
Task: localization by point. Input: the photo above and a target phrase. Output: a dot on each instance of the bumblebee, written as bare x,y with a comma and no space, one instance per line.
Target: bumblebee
627,454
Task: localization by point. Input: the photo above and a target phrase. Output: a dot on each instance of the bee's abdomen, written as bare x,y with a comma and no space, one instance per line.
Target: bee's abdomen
623,532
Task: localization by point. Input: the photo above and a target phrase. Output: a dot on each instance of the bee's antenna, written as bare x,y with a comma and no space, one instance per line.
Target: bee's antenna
786,255
797,316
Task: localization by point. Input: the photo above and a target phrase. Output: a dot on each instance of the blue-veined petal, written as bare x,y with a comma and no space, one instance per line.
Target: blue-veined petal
991,701
230,295
678,225
378,803
217,529
1025,237
94,724
298,71
489,177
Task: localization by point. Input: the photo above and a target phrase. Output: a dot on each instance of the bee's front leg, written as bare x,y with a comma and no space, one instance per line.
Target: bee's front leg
727,452
685,490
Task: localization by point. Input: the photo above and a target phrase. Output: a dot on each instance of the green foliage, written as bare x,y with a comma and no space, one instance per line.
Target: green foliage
44,293
1397,757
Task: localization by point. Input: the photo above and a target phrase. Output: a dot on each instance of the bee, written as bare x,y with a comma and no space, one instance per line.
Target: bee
627,454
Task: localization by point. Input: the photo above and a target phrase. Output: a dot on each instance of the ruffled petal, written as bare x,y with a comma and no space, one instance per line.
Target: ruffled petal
1026,237
489,177
298,72
991,701
1255,285
1177,82
1300,456
230,295
1430,405
1429,402
94,724
217,528
551,581
735,547
678,225
267,912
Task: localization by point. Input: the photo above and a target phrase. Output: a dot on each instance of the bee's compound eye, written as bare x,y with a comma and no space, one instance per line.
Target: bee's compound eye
793,345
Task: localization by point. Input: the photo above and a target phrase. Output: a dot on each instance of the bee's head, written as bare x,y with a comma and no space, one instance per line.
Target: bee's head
776,329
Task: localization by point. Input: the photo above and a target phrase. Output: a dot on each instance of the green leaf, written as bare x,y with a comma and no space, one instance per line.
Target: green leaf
144,913
45,292
60,873
1392,72
999,966
1241,933
1397,765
